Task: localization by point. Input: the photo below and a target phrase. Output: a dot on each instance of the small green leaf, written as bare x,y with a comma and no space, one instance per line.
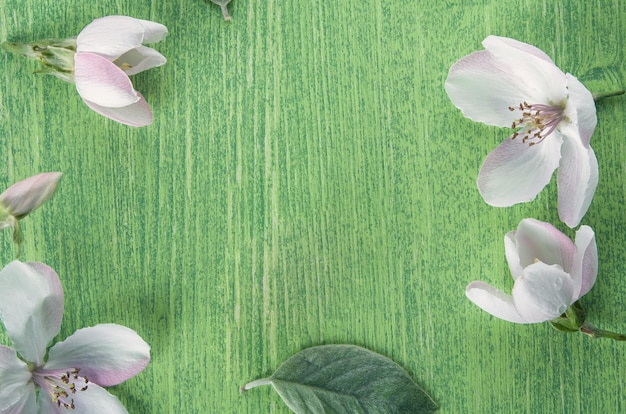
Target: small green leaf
346,379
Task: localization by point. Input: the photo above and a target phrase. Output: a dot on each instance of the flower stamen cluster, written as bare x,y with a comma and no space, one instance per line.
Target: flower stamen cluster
61,385
537,121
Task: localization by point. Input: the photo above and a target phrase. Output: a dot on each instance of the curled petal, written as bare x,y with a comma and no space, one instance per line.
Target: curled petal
515,172
577,178
583,112
138,114
585,268
541,241
140,59
94,400
26,195
17,392
112,36
543,293
106,354
102,82
512,254
31,307
493,301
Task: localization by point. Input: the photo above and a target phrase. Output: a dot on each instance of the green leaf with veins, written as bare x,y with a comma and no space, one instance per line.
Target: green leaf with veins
346,379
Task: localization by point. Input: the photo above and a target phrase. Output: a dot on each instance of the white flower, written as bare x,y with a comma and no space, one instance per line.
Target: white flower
28,194
550,273
108,50
513,84
31,308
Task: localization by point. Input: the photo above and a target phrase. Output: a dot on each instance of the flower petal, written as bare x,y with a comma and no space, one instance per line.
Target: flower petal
17,392
138,114
94,400
106,354
512,255
28,194
140,59
493,301
515,172
524,47
101,82
585,269
577,178
31,307
543,293
583,115
112,36
541,241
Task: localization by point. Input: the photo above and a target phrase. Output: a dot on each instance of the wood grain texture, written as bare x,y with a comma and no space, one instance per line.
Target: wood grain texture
307,181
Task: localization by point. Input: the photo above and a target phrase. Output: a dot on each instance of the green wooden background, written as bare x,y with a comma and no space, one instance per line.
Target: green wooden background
307,181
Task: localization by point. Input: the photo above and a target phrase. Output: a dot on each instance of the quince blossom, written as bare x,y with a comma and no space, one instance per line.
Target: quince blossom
108,50
31,308
513,84
550,272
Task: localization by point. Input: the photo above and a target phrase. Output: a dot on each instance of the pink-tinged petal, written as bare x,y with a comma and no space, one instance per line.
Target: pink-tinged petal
524,47
577,179
94,400
493,301
140,59
101,82
545,82
483,90
112,36
585,268
31,307
581,109
26,195
541,241
512,254
138,114
515,172
17,392
106,354
543,293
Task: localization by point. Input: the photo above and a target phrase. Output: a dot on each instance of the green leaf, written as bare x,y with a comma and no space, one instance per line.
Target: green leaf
346,379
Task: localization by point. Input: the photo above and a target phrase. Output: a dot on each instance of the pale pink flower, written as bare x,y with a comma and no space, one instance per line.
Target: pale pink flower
550,273
513,84
31,308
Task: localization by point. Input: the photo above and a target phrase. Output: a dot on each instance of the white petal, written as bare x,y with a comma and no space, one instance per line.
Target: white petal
581,109
512,255
106,354
577,179
543,293
586,265
140,59
493,301
138,114
515,172
541,241
17,392
525,47
31,307
28,194
112,36
94,400
101,82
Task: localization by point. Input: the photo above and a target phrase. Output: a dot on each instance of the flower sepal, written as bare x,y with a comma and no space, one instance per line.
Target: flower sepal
56,55
572,320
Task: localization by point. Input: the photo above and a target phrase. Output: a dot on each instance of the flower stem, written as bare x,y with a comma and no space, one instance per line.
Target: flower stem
225,12
256,383
601,95
594,332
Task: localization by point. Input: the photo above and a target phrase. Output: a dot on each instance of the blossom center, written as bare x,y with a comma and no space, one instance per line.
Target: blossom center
536,121
61,385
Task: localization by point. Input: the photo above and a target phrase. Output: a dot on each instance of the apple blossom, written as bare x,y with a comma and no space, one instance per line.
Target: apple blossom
513,84
31,308
100,60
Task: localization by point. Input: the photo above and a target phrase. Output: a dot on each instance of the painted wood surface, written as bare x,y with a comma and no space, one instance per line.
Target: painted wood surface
307,181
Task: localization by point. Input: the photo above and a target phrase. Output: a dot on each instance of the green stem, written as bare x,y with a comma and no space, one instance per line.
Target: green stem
256,383
594,332
225,12
601,95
